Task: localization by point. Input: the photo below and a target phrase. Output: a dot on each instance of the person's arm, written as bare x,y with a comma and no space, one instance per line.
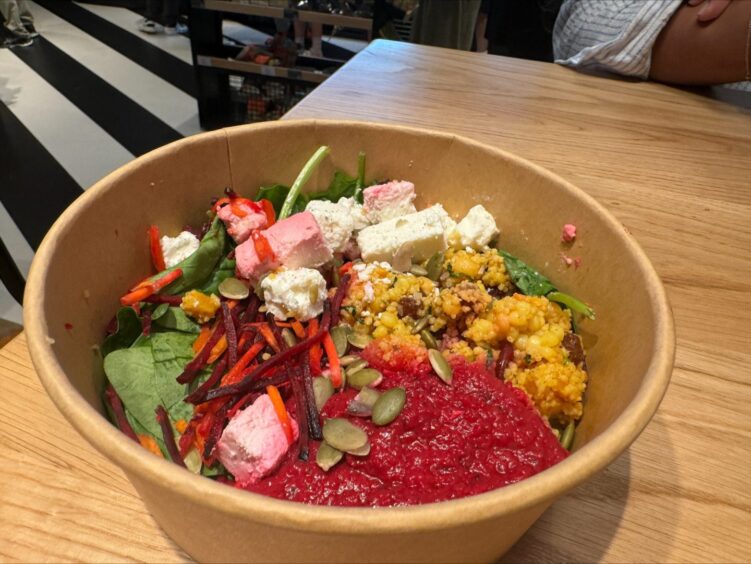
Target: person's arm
690,51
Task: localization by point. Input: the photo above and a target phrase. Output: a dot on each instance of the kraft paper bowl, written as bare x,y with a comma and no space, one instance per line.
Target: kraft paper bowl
98,248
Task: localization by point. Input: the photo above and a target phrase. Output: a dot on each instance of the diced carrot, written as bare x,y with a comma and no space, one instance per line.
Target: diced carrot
297,328
157,258
335,367
149,443
202,338
281,412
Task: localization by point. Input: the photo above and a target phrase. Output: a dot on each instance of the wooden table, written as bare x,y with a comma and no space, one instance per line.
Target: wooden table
673,166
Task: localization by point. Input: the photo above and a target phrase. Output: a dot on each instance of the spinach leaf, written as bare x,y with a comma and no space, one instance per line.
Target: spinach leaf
171,352
528,280
277,193
128,329
198,267
342,186
159,311
225,269
175,318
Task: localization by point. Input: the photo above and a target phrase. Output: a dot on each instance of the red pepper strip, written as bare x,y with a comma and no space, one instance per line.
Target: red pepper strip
143,292
281,412
268,334
263,249
505,356
345,268
232,376
169,437
336,301
315,351
200,392
297,328
246,384
119,412
334,366
268,210
220,202
229,330
201,359
157,258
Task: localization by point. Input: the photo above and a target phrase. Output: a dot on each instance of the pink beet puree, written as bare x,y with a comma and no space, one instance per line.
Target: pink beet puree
296,242
238,227
449,442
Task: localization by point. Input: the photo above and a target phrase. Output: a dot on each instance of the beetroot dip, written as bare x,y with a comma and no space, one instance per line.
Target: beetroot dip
453,441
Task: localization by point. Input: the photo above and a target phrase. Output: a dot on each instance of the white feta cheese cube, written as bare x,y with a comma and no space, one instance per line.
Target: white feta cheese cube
297,293
335,221
355,211
177,249
413,237
476,230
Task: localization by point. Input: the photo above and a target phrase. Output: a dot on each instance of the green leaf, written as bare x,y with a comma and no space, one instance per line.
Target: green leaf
342,186
175,318
128,330
214,470
159,311
527,279
225,269
572,303
198,267
277,193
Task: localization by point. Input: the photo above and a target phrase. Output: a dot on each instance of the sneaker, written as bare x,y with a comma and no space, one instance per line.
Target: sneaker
16,39
149,26
179,29
30,29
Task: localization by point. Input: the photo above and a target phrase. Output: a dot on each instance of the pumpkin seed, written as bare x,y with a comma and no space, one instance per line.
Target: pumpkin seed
428,338
348,359
327,456
233,289
420,324
440,365
368,396
434,266
323,389
289,337
339,336
356,366
418,270
389,406
359,340
567,438
364,377
343,435
362,451
363,402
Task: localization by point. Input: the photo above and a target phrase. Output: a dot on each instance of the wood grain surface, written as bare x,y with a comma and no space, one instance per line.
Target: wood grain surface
672,165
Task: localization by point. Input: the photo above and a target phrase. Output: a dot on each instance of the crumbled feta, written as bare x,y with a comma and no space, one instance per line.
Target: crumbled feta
388,201
355,211
476,230
335,221
297,293
177,249
416,236
369,293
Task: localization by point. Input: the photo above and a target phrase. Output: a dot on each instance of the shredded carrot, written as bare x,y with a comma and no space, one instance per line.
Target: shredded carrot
336,369
281,412
297,328
143,292
202,339
236,371
149,443
268,334
218,349
345,268
315,350
157,258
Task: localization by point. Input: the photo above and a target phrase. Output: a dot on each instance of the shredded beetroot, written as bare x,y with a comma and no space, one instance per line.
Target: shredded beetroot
186,440
118,411
191,370
300,410
505,355
217,426
244,386
146,323
162,299
199,394
314,417
231,255
251,310
169,437
336,301
229,330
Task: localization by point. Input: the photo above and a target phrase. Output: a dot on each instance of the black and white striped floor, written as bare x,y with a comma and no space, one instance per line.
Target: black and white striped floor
91,94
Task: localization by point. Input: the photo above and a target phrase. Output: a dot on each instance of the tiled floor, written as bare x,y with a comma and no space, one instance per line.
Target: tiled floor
91,94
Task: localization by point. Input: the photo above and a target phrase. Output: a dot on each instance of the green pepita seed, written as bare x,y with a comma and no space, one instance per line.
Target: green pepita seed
440,365
348,359
420,325
434,266
418,270
343,435
567,438
327,456
368,396
323,389
356,366
339,336
364,377
362,451
359,340
388,406
289,337
233,289
428,338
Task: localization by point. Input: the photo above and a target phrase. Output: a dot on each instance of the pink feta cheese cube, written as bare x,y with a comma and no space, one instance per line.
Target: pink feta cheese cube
240,226
253,443
390,200
297,242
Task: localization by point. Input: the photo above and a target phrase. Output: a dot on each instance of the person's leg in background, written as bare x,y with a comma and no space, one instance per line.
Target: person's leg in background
12,32
151,23
27,18
169,16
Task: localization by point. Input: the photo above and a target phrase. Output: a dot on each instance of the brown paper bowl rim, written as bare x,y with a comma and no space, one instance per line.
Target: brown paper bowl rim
538,489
